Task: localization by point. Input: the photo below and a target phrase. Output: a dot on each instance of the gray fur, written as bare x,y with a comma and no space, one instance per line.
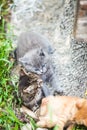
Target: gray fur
34,53
29,41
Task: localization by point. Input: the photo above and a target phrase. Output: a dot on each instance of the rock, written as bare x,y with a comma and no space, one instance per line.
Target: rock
26,127
41,129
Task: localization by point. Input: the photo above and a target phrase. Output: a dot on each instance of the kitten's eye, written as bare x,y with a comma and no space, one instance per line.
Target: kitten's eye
43,65
26,63
36,69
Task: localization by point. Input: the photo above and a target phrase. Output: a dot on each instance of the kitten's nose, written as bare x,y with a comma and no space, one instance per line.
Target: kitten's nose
41,70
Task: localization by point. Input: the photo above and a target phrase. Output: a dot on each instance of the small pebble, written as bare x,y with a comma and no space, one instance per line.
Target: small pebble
41,129
26,127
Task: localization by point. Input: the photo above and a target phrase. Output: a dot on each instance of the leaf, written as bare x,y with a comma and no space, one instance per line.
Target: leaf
15,127
33,124
56,127
10,111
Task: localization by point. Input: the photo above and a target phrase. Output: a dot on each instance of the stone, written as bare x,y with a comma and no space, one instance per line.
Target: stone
26,127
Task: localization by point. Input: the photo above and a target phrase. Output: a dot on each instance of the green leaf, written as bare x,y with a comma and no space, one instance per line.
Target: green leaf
33,124
56,127
10,111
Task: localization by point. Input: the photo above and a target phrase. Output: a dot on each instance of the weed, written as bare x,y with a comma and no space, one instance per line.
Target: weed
8,120
56,127
33,124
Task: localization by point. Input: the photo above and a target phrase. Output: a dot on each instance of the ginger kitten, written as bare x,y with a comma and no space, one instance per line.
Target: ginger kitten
61,110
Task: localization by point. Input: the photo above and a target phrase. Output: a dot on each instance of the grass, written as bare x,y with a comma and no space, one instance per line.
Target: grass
8,119
8,84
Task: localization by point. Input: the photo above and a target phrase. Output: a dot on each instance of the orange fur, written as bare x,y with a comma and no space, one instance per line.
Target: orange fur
60,110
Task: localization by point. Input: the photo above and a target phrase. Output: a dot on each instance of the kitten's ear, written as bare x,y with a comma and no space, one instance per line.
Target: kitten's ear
42,52
80,103
44,101
43,109
22,60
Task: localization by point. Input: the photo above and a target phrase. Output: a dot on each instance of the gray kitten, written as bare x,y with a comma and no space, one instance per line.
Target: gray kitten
34,53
